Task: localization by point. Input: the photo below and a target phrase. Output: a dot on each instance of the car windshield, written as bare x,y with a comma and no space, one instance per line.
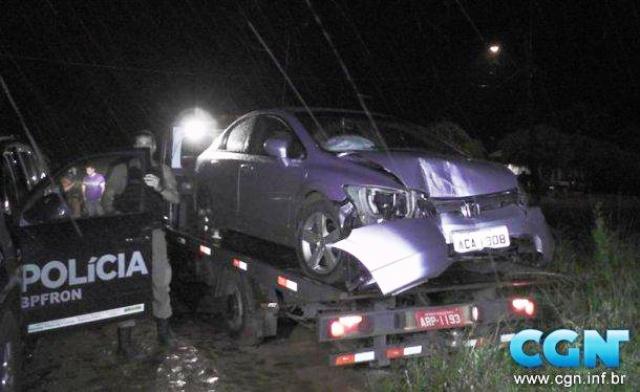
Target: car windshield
345,131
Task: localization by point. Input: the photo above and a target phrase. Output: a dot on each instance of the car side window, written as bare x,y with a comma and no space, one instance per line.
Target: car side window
237,140
102,186
267,127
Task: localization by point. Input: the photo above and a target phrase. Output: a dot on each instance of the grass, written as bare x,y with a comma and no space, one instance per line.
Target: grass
605,295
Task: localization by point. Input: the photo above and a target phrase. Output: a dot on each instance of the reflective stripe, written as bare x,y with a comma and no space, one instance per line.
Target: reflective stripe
85,318
506,337
471,343
284,282
365,356
413,350
205,250
240,264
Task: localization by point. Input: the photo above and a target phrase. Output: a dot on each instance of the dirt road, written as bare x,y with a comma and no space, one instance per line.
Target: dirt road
204,359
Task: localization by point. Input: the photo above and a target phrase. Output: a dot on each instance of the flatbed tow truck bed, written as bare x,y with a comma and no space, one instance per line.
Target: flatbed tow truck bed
375,328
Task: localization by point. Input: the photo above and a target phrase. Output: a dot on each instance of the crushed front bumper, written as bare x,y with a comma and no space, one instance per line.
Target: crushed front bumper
404,253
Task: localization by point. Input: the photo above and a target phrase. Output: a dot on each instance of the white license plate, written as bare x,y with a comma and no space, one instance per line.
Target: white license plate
470,241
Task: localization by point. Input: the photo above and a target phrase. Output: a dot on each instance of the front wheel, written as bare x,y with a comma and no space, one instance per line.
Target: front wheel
318,228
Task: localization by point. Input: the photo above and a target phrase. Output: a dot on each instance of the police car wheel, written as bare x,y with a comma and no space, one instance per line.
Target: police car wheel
240,312
10,354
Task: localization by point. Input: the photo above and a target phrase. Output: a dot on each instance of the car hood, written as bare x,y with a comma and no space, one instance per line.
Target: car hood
440,175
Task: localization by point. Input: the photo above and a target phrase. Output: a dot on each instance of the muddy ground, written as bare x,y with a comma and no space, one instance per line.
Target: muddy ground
204,359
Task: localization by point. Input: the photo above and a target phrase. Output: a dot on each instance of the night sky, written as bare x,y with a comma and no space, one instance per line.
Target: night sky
88,73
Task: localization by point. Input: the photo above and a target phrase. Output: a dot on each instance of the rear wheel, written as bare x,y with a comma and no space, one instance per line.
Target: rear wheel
240,311
318,228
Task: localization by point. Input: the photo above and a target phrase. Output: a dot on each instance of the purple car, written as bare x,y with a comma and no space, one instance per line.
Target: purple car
365,198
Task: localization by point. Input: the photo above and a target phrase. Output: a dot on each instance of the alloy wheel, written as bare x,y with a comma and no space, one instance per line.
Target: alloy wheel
319,231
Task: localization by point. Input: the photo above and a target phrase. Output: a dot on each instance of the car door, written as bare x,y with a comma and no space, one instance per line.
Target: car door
81,269
220,174
268,185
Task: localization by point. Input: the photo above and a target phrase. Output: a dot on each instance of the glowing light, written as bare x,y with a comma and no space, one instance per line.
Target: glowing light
494,49
344,325
525,305
198,124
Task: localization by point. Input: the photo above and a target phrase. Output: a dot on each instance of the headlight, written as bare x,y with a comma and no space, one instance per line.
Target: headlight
376,204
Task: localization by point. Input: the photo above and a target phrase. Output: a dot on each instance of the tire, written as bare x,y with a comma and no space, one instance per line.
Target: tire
10,354
318,226
240,311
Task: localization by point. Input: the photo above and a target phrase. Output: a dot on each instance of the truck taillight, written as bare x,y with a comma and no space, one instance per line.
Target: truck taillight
523,307
344,326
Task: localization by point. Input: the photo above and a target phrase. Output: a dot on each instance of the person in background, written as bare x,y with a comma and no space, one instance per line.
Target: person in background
73,191
92,190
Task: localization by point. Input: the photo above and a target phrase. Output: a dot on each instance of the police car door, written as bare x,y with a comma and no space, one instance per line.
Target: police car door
85,242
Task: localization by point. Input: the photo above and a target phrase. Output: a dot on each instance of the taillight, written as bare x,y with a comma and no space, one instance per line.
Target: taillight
344,326
523,307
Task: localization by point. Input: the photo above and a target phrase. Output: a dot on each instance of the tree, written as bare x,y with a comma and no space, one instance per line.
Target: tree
455,136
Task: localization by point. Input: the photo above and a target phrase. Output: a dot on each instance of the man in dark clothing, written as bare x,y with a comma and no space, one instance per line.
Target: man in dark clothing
162,187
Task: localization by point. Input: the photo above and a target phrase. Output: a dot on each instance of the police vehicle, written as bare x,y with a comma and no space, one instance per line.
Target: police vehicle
20,171
71,268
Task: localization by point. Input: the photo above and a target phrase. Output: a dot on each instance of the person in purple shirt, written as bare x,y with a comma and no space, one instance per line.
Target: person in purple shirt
92,189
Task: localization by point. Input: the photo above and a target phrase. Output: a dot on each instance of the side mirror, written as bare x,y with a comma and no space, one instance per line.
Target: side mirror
277,146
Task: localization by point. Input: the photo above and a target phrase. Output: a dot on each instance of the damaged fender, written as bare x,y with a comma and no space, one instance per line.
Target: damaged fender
399,254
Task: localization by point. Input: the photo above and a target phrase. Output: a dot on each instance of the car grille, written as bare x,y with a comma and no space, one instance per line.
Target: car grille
480,203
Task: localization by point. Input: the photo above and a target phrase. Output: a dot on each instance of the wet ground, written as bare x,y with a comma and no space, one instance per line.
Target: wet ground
204,359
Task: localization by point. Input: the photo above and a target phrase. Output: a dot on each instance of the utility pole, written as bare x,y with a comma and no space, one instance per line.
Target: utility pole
529,67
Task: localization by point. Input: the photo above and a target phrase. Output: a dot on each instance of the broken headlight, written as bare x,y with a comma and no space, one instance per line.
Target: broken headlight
376,204
422,205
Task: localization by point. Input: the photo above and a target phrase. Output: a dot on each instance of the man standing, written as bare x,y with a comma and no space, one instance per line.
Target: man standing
162,187
92,189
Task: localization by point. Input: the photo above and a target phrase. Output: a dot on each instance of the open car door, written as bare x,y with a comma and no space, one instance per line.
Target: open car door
86,260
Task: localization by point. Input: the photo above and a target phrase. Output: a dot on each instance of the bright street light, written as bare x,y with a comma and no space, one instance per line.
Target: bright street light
197,124
494,49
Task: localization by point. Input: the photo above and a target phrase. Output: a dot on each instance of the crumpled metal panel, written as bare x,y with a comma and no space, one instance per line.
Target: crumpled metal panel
443,176
399,254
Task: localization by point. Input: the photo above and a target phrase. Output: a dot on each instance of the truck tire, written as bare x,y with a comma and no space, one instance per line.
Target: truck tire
241,314
318,226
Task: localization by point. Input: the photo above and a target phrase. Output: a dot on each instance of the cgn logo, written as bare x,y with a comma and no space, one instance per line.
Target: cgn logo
594,346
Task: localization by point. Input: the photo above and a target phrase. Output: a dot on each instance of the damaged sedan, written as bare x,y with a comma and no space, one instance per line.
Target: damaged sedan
365,198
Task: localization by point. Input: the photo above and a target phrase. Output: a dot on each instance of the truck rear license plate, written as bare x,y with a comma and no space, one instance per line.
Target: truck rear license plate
440,318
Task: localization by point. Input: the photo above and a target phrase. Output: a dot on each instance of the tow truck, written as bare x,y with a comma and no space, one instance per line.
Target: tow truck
255,285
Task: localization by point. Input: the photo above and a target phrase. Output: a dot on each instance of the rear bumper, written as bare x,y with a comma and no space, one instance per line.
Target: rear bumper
384,354
402,320
414,341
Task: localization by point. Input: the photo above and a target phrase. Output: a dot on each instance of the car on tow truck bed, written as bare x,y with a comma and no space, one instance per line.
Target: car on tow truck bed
255,283
364,199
